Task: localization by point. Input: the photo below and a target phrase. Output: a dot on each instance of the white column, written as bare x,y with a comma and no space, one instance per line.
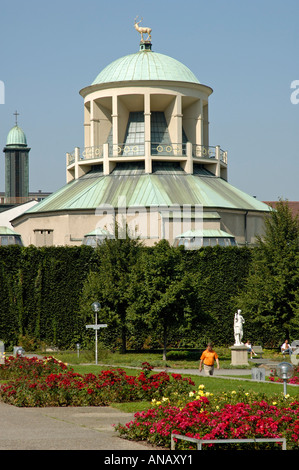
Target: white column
92,124
106,167
147,134
206,125
86,125
218,169
178,123
77,158
148,159
69,173
199,125
188,164
115,124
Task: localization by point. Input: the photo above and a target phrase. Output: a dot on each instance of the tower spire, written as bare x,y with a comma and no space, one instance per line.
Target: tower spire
16,114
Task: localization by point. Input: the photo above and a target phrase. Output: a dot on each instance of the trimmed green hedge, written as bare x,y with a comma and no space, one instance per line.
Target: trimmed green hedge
222,272
41,289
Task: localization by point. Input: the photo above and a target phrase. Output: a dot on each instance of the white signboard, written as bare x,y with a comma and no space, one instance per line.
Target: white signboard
96,327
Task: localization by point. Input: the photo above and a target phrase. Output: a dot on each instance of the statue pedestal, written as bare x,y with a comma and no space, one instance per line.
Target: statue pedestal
239,355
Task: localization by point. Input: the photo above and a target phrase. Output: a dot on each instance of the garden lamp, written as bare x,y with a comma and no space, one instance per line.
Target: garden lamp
96,307
285,371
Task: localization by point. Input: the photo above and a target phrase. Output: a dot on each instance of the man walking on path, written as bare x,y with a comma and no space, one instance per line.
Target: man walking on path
208,359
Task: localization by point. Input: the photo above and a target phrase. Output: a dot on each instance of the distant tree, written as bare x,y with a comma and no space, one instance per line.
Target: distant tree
109,284
270,296
165,296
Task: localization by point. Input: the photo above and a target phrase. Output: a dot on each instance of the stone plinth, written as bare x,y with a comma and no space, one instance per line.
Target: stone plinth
239,355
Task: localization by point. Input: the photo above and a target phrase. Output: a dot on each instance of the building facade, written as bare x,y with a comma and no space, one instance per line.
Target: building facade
147,163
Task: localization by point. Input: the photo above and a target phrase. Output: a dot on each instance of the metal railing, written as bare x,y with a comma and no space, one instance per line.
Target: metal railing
126,150
223,156
158,149
70,158
200,442
90,153
207,151
203,151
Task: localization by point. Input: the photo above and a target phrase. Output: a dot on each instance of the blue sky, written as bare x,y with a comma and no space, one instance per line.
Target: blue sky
247,51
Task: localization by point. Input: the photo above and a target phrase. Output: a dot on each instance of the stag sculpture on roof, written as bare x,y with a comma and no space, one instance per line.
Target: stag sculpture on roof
143,30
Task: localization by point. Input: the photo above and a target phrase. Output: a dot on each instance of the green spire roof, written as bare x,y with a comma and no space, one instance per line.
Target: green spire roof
16,137
145,65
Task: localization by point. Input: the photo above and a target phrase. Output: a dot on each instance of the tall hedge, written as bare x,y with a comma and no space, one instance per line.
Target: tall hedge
221,275
41,289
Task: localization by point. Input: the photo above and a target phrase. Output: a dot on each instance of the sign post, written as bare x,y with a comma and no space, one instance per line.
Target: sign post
96,308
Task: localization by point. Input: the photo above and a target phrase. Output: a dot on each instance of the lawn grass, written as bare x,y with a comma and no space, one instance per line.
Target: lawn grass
135,359
212,384
184,359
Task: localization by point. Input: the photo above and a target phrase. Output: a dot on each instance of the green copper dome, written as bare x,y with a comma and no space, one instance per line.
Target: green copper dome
145,65
16,137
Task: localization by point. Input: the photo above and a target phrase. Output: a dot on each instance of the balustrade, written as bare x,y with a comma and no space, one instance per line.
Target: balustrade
156,149
162,149
92,153
126,150
203,151
70,158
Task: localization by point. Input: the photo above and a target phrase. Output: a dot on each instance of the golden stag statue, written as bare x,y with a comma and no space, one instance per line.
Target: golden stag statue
143,30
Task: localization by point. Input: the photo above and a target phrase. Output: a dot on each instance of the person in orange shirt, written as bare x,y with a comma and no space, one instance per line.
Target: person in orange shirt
208,359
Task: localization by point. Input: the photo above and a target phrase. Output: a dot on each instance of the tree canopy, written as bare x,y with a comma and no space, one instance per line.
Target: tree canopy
270,295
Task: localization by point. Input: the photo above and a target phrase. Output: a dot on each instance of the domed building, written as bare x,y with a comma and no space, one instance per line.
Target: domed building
147,162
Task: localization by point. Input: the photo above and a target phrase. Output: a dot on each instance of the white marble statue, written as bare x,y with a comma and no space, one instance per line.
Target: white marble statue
238,328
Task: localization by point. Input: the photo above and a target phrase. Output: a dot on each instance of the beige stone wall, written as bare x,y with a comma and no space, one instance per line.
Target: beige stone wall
244,225
69,229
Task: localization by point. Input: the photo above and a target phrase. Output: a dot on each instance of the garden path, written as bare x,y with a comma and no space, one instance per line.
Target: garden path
64,428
